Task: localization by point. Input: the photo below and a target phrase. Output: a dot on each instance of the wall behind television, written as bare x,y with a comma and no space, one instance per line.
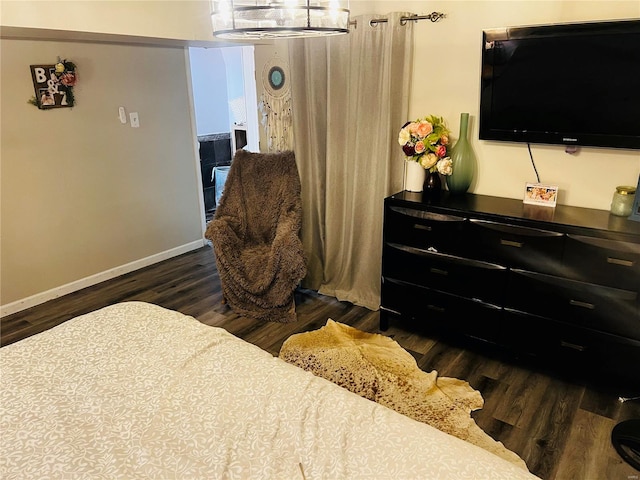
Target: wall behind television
446,81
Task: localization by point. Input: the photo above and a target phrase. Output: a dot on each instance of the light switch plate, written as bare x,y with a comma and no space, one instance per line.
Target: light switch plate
135,121
122,114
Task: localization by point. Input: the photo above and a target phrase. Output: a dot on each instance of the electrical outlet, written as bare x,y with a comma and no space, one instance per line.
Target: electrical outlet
135,121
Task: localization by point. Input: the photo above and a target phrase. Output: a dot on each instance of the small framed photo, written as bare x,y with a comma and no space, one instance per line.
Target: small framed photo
540,194
635,210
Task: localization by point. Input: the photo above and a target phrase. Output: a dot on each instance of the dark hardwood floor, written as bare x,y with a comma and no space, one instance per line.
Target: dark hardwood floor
560,427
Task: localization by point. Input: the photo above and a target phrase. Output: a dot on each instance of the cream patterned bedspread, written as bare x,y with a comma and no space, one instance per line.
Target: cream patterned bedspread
137,391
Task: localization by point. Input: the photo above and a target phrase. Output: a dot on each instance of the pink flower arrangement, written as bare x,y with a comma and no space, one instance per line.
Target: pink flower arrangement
426,141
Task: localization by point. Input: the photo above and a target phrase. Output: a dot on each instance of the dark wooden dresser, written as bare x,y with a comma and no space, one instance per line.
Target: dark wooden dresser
559,284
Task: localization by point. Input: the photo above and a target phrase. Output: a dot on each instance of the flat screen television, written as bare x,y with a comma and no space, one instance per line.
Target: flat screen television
567,84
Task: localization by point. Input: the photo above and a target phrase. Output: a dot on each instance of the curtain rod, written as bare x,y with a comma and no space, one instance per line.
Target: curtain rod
433,16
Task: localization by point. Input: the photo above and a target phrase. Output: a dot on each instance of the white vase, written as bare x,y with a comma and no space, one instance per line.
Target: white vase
414,176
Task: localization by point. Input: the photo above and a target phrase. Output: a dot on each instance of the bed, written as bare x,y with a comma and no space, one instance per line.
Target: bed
135,390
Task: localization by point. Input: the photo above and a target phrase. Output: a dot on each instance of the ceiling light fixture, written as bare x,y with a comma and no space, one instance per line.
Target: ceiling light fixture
260,19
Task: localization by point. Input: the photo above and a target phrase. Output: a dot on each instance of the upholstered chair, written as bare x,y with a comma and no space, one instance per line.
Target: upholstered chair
255,235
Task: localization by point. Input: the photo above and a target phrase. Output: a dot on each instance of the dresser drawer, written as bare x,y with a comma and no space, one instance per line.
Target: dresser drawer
437,309
582,304
604,261
423,229
567,341
564,345
515,246
461,276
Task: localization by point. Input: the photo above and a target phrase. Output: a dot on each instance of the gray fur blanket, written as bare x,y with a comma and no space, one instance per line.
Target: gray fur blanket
256,236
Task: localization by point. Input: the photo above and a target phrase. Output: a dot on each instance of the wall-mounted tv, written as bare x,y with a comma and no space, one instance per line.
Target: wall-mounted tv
567,84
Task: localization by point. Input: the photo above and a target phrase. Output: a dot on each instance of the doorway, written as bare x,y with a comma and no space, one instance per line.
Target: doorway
226,112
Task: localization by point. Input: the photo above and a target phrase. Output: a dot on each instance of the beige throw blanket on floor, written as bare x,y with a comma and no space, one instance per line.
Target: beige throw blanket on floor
378,368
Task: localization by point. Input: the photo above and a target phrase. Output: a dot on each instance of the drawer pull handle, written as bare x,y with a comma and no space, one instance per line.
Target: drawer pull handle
438,271
579,348
435,308
619,261
577,303
511,243
419,226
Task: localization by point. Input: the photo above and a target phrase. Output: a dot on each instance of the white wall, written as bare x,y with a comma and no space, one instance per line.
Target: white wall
82,196
446,82
235,77
210,90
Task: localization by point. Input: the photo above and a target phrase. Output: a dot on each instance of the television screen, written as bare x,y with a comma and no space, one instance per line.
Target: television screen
569,84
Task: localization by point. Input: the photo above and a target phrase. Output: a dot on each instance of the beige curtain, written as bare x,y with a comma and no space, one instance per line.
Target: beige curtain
350,97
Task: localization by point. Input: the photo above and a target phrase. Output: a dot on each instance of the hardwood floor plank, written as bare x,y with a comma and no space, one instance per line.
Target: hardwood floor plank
589,453
547,420
410,340
441,358
602,403
628,410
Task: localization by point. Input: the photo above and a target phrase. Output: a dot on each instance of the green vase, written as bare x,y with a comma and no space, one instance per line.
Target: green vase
463,160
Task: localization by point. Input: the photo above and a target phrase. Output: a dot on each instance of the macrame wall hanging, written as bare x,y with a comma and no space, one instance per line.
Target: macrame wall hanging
275,105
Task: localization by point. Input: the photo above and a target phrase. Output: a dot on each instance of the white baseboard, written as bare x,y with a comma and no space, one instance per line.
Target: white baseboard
42,297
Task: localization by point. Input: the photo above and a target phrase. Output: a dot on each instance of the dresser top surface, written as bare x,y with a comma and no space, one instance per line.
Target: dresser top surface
485,205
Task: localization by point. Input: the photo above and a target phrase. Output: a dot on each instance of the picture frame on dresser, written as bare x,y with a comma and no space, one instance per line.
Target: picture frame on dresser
635,210
540,194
